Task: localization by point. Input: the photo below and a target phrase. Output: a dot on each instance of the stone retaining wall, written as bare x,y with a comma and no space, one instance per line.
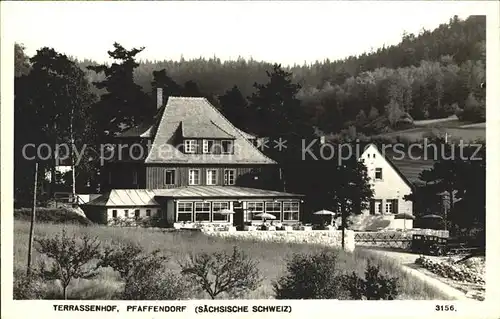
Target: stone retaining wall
332,238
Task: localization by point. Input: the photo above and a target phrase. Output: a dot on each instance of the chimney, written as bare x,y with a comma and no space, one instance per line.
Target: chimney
159,98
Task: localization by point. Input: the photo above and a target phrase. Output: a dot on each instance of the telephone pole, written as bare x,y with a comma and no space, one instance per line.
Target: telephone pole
32,226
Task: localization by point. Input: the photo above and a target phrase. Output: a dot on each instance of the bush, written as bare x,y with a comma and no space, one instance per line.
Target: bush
160,284
131,260
144,273
26,288
220,272
375,286
311,277
71,258
52,215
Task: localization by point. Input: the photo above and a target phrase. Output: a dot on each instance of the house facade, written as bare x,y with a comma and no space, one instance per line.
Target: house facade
392,176
388,184
193,163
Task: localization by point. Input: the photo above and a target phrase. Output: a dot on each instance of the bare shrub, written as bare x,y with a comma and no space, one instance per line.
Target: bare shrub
143,273
26,287
221,272
161,284
130,259
71,258
311,276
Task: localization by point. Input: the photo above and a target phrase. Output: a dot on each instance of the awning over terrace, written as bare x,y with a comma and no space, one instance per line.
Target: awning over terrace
221,192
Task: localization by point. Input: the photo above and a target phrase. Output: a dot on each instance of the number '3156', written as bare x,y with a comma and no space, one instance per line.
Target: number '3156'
445,308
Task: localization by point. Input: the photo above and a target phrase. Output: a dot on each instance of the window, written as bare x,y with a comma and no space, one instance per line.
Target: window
184,212
229,176
274,208
194,177
376,207
201,212
211,177
291,211
126,213
148,212
216,147
137,213
208,146
391,206
253,209
189,146
218,206
115,213
134,177
378,173
169,177
373,155
227,147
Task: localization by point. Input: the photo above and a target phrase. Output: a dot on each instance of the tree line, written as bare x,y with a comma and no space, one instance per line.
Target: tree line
429,75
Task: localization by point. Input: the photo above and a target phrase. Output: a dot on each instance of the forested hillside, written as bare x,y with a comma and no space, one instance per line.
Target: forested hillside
430,75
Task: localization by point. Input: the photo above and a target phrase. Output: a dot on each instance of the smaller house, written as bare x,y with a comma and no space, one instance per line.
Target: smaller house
393,175
122,205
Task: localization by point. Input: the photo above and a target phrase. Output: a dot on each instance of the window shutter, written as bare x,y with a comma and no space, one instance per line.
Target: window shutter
395,206
372,207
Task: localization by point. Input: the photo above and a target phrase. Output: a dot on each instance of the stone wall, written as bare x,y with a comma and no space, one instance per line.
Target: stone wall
332,238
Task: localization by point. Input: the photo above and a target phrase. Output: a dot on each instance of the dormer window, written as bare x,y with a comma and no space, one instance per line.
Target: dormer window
227,146
208,146
190,146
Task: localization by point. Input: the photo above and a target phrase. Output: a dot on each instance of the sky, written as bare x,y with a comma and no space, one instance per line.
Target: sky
283,32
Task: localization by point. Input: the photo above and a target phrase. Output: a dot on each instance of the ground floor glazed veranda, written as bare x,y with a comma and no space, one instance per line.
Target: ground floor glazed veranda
195,205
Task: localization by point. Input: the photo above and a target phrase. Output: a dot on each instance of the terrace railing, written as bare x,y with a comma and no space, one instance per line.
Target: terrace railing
394,239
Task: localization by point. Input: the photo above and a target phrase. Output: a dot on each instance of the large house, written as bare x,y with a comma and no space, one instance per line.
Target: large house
186,166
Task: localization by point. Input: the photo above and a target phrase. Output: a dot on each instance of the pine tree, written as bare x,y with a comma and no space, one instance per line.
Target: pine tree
124,104
278,111
235,107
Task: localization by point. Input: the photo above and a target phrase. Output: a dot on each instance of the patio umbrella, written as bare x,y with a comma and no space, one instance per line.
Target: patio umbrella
325,212
432,216
404,216
226,212
265,216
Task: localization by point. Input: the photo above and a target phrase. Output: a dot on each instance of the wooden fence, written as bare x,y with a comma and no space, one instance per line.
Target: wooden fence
394,239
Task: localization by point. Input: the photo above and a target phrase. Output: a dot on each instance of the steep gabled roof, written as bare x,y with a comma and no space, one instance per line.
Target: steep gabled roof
246,135
410,168
198,111
141,130
203,130
407,168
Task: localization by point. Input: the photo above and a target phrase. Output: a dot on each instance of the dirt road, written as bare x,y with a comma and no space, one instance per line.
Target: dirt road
407,261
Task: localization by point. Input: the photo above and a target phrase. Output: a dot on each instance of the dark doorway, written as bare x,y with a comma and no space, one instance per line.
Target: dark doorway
238,215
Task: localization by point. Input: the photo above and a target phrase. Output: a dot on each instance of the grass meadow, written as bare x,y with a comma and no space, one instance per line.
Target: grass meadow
457,130
271,257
